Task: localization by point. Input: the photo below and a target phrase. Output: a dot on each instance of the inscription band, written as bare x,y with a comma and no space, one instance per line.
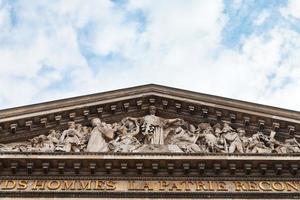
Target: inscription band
154,186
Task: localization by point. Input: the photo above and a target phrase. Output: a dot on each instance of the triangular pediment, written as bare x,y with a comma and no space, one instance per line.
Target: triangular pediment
194,109
149,141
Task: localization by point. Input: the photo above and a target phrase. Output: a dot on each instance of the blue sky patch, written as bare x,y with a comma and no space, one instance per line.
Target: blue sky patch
241,21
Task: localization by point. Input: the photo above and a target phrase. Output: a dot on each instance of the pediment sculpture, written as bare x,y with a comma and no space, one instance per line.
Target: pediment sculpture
154,134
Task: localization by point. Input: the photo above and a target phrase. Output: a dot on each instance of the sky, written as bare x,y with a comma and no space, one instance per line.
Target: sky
242,49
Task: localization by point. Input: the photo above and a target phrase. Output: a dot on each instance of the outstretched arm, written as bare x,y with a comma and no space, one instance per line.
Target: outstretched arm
135,119
173,121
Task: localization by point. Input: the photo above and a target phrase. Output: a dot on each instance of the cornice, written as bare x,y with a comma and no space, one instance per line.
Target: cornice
27,121
148,90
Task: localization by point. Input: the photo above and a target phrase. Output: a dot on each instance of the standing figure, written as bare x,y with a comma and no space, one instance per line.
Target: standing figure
232,139
238,143
152,127
69,140
99,134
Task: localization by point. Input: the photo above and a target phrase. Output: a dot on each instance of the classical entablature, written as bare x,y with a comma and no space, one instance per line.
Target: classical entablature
151,133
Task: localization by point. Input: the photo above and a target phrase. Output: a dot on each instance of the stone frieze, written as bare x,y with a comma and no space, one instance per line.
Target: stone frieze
154,134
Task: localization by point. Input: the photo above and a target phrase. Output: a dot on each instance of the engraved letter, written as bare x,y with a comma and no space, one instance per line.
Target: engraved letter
22,185
278,186
239,186
221,186
53,185
111,185
163,185
187,185
38,185
253,186
265,186
200,186
174,186
68,185
85,185
147,186
9,185
99,185
131,185
292,186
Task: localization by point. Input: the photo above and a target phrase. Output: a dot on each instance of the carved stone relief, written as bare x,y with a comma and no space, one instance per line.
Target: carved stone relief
154,134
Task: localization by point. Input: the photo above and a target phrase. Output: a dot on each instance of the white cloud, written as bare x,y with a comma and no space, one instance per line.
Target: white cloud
264,69
180,46
292,9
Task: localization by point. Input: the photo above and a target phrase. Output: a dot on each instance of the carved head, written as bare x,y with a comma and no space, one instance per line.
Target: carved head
218,131
204,126
96,122
227,128
85,129
152,110
78,126
71,125
241,132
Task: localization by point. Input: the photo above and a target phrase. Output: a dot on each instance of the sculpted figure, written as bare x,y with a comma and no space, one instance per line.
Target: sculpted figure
44,143
257,144
232,139
69,139
100,133
53,136
41,144
126,140
292,145
83,134
15,147
155,134
211,139
244,140
221,145
186,140
86,132
130,127
239,143
152,127
228,136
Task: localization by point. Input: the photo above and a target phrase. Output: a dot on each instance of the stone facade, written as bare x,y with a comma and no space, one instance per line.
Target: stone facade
149,142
